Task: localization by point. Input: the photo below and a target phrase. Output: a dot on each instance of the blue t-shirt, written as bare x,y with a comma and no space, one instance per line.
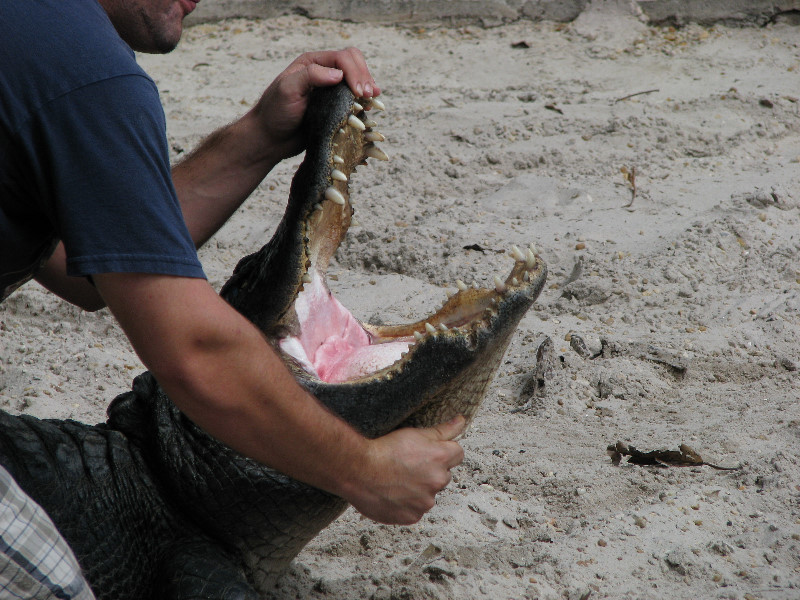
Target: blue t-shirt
83,149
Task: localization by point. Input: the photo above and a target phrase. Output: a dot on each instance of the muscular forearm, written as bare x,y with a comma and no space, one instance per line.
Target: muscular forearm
217,367
214,180
233,385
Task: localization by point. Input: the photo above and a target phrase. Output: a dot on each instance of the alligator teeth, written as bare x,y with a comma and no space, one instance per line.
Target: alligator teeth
338,175
443,327
418,336
450,293
355,122
463,287
374,136
517,254
375,152
338,159
370,123
306,278
354,222
530,259
499,285
342,131
334,195
526,277
514,281
430,328
377,104
357,107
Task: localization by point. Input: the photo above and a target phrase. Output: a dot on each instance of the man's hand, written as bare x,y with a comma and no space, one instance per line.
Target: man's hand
282,106
409,467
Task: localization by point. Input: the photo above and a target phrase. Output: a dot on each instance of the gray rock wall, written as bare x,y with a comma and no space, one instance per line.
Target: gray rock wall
493,12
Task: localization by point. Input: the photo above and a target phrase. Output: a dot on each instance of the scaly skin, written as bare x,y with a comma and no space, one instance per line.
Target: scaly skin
155,508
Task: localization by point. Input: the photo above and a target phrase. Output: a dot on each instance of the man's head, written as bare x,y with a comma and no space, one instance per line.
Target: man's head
153,26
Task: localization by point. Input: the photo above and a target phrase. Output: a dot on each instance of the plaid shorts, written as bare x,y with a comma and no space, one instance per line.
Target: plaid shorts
35,561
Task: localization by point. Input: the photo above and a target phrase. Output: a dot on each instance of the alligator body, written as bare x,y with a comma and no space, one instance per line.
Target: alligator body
155,508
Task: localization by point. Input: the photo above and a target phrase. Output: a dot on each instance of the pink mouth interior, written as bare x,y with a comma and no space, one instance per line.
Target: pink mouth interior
332,344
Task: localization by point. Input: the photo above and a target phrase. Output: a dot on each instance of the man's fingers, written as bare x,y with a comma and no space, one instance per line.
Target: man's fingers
352,63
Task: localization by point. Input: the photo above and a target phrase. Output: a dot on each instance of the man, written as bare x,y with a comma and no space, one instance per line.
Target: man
90,208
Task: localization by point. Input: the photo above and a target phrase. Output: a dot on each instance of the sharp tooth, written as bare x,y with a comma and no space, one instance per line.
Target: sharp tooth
306,278
342,132
450,293
375,152
354,223
530,259
357,107
418,336
517,254
355,122
377,104
514,281
430,328
461,285
526,276
318,206
334,195
338,175
370,123
338,159
532,247
499,285
403,354
443,327
374,136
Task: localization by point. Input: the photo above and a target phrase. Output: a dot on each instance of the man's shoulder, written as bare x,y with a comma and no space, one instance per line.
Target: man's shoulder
51,47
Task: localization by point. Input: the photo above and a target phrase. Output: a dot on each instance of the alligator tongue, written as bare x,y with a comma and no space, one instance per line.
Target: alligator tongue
332,343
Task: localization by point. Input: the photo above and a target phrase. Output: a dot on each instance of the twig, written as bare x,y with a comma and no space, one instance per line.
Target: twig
629,96
685,456
632,179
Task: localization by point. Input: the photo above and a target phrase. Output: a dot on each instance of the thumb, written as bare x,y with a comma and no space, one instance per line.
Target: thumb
449,429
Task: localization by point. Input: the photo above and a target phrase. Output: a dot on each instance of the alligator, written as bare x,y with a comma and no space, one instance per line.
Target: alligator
154,507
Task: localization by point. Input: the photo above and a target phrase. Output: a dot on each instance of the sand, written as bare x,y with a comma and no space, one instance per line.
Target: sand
672,306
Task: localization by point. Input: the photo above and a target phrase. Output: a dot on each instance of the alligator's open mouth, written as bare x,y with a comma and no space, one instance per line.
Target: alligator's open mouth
451,353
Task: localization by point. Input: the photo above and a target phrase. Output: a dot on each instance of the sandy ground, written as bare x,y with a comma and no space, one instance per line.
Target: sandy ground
685,294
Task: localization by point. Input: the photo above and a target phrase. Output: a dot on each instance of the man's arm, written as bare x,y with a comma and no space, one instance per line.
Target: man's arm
77,290
219,370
